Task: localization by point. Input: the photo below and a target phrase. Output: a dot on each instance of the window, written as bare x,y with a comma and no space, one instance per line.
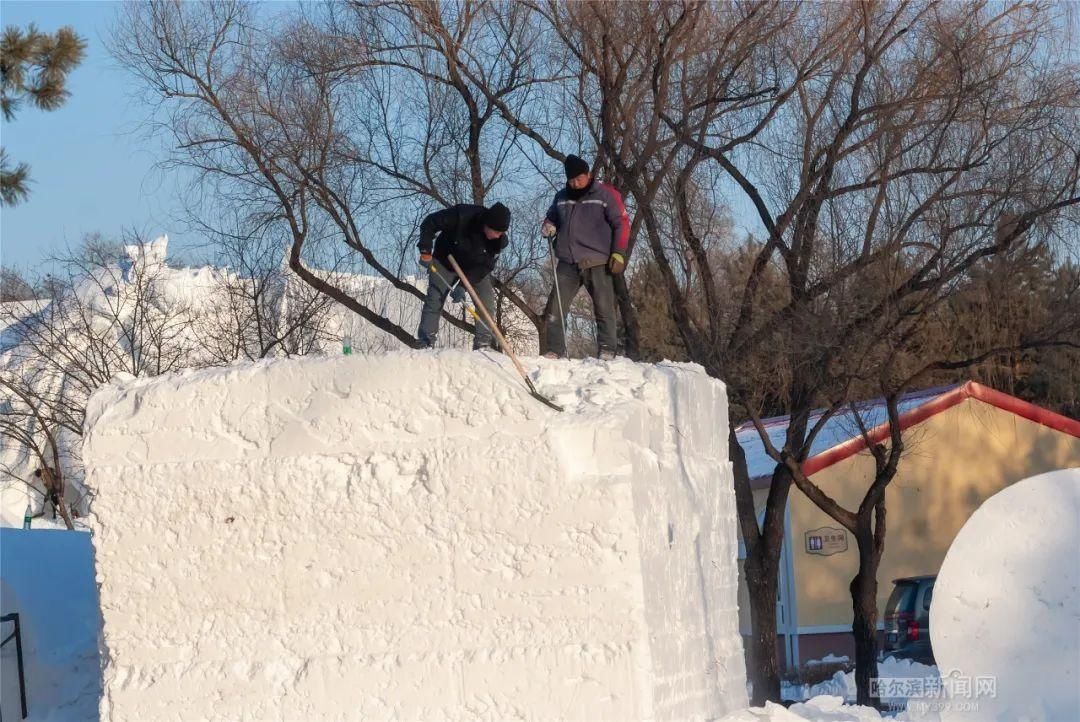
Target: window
927,596
902,599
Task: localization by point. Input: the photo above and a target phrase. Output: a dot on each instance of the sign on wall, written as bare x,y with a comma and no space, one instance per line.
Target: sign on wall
826,541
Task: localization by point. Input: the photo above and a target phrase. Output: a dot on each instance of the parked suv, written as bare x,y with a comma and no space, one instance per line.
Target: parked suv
907,619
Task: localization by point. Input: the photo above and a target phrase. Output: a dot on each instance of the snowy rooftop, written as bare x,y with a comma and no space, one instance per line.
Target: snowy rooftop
840,428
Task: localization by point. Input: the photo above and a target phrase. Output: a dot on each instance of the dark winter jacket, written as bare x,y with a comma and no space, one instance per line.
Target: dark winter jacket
461,233
592,224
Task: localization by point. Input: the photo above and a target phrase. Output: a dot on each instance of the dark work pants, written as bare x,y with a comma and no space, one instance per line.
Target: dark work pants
440,281
599,282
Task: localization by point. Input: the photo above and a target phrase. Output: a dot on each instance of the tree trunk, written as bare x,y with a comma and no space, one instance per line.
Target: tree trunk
761,581
62,506
864,625
761,568
541,328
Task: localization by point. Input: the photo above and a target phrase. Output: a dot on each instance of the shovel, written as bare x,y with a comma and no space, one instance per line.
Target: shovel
501,339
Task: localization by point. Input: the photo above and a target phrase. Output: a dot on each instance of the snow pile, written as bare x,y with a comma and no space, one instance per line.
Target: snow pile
412,536
47,578
828,659
842,684
819,709
1006,608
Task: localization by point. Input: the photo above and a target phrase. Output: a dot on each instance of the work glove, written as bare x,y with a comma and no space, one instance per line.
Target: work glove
458,293
616,264
425,259
547,230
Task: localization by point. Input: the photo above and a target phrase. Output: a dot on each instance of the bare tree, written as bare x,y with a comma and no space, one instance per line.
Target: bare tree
1009,303
114,309
259,309
295,122
919,141
14,286
25,423
107,313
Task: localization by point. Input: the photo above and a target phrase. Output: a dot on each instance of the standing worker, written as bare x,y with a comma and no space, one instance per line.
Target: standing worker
474,236
592,231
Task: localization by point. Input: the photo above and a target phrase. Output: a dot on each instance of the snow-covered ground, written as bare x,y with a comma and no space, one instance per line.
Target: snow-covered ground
828,659
822,708
842,684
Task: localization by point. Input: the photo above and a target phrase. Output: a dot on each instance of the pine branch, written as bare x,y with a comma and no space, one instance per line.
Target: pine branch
34,67
14,181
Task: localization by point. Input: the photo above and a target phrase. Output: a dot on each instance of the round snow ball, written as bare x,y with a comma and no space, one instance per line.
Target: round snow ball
1005,618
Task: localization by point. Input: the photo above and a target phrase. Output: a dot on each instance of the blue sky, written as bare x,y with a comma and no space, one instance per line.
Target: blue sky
92,168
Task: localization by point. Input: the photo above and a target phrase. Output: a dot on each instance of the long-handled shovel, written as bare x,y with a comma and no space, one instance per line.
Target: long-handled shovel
558,294
501,339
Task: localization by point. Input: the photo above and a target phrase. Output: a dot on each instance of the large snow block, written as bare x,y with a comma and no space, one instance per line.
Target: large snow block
413,537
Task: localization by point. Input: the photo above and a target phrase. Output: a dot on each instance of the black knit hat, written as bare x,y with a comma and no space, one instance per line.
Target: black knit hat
575,166
497,218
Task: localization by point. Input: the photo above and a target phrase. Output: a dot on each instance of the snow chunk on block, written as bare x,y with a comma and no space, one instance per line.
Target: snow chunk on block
413,537
1006,605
